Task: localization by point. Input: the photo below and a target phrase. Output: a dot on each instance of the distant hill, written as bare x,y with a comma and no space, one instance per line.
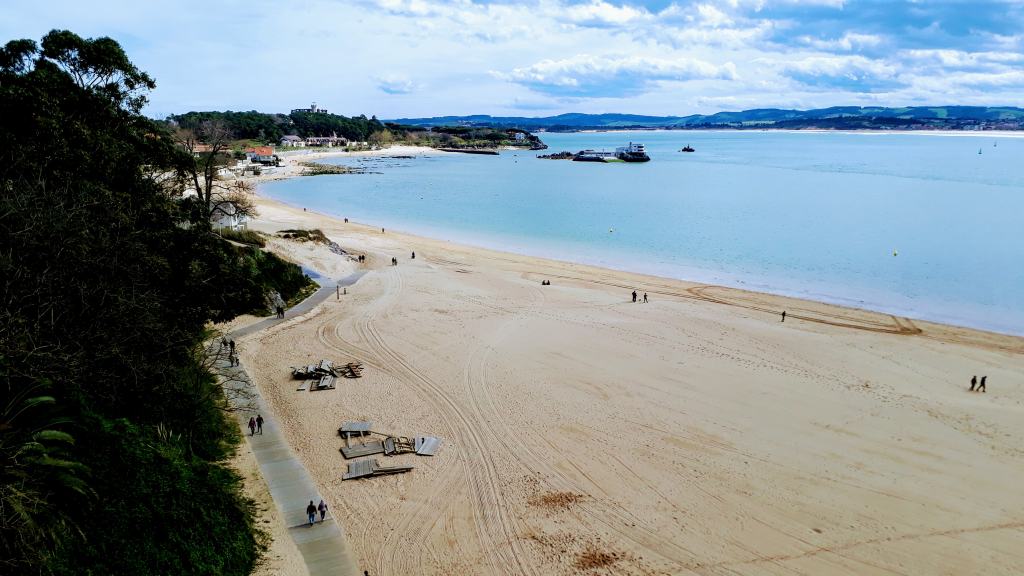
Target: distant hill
837,117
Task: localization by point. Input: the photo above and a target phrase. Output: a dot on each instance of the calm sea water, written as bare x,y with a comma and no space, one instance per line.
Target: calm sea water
815,215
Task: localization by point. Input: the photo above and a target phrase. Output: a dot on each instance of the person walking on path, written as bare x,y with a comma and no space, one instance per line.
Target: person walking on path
322,507
259,424
634,296
231,345
252,426
783,315
645,297
974,382
311,513
981,385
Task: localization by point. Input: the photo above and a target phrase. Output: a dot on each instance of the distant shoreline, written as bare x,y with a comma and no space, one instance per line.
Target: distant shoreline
961,133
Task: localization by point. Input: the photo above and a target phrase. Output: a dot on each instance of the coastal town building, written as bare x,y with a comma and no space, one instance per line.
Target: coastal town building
262,155
229,216
293,141
328,141
313,109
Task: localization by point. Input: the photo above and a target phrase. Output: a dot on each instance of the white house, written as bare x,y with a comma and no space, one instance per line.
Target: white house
293,141
229,216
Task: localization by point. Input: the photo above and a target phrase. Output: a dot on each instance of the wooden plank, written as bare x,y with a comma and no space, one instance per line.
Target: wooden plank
375,447
359,469
355,428
365,468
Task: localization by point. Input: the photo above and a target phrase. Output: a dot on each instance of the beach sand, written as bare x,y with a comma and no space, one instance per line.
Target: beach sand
696,434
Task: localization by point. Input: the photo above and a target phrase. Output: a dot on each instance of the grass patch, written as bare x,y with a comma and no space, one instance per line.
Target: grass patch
249,237
303,293
314,235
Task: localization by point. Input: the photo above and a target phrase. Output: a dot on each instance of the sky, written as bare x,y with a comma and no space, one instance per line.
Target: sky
413,58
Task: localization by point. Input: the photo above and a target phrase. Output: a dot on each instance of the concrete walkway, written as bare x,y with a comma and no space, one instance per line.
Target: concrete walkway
323,293
323,545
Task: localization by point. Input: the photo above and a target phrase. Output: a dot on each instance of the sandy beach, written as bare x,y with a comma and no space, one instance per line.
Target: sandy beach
583,433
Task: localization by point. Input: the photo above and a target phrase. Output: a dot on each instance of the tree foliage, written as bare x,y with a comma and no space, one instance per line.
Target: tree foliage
357,128
250,125
112,430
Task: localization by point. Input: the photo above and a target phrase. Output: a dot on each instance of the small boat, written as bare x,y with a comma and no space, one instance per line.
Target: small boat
687,148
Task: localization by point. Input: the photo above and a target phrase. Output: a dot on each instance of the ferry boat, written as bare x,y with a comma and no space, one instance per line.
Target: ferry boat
632,153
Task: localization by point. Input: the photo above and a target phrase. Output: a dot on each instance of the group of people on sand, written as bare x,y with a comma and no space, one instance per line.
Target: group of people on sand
362,258
634,297
978,386
311,511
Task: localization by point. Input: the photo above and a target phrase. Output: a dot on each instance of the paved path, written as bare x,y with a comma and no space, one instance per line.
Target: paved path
323,293
323,545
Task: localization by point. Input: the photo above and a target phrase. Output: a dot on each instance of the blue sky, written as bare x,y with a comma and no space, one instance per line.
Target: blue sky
397,58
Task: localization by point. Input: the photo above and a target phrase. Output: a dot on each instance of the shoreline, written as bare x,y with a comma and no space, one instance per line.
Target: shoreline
663,284
699,276
872,132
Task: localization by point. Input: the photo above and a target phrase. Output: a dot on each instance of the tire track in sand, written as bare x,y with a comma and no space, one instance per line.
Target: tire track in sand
496,531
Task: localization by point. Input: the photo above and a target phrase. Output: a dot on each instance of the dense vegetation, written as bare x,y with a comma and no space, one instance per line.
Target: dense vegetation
269,128
357,128
113,433
242,125
461,136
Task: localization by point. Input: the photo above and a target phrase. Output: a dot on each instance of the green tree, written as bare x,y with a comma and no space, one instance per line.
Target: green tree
109,418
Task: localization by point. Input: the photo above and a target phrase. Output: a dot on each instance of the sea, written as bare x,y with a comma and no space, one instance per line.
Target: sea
924,225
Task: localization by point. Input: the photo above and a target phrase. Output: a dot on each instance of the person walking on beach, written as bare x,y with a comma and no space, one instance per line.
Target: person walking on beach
311,513
252,426
645,297
981,385
322,507
259,424
974,382
413,254
634,296
783,315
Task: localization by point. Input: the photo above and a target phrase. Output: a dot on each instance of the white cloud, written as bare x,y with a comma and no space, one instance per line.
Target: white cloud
962,59
847,42
598,11
587,74
392,84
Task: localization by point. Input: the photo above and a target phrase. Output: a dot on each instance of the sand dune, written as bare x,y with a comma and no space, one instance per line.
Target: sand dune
696,434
